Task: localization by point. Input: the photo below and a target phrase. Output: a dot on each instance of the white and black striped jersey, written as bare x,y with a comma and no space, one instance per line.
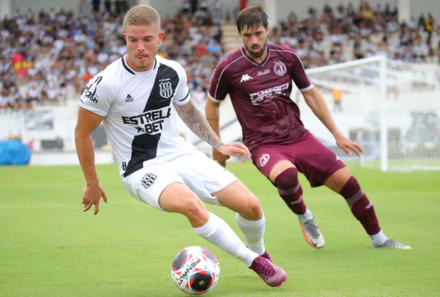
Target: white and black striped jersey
139,117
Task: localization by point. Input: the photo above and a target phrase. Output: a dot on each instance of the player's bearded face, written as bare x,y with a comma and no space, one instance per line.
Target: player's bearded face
142,45
256,50
255,40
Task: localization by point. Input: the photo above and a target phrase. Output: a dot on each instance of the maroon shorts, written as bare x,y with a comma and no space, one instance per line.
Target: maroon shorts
308,154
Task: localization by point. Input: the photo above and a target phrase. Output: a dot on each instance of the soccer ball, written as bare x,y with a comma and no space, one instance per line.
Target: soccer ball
195,270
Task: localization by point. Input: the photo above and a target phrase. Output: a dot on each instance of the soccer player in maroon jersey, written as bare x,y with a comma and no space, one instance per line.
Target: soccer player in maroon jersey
258,79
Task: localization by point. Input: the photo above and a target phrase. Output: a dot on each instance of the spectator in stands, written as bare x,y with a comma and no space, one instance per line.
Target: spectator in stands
57,51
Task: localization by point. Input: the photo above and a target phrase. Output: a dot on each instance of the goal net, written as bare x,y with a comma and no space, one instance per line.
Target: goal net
391,108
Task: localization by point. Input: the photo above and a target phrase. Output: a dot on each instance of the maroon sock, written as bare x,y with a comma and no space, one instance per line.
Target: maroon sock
290,190
360,206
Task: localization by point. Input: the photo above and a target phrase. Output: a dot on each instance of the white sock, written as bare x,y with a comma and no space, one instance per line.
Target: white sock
378,238
308,215
219,233
253,231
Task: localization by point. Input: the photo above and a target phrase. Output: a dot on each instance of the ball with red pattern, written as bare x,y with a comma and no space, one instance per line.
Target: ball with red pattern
195,270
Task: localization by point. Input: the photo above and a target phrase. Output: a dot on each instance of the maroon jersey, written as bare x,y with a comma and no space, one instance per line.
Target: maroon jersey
260,94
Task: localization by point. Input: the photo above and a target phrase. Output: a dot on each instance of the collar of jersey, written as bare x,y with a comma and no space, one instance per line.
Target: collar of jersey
245,54
129,69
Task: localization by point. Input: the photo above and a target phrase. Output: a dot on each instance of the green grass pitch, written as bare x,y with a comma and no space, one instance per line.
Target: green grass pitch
49,247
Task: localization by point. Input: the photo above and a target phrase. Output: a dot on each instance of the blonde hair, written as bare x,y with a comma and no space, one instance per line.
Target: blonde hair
141,15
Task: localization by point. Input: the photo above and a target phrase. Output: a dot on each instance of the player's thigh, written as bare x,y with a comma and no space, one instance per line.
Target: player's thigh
204,176
315,160
272,160
147,184
179,198
238,198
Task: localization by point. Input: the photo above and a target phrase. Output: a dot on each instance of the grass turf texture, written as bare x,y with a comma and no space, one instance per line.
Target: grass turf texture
49,247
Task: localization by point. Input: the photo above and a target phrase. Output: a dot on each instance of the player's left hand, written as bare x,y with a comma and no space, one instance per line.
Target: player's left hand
347,145
235,149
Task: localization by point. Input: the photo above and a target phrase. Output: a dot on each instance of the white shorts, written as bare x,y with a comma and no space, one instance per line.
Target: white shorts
201,174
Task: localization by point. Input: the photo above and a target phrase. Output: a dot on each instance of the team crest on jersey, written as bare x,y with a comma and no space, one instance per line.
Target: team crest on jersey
165,89
280,68
264,159
148,180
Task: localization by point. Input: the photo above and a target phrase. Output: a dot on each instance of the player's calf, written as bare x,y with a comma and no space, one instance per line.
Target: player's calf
253,231
250,216
289,188
360,206
364,212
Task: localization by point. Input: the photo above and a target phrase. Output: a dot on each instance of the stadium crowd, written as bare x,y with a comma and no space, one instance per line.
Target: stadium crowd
342,33
48,53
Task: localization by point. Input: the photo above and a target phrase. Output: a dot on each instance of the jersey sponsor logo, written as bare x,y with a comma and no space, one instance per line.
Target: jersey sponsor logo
280,68
90,90
269,93
264,159
148,180
261,73
129,99
165,89
245,77
150,122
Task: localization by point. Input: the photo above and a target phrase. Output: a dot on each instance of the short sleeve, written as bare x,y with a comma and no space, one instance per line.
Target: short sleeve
97,96
182,93
219,86
298,73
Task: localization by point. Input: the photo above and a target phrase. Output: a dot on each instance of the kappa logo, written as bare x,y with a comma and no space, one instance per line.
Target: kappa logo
165,89
129,98
148,180
264,159
245,77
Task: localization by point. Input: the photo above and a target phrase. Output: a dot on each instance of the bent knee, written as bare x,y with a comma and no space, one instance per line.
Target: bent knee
192,208
287,179
338,179
252,209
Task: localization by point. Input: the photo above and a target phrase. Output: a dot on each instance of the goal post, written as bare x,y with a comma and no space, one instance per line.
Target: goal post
391,108
383,114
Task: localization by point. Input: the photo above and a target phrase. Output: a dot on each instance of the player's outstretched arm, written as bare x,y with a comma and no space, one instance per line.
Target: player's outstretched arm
316,102
87,123
197,123
212,112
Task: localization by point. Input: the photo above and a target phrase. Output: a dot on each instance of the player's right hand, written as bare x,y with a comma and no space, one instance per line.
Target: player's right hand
219,157
92,196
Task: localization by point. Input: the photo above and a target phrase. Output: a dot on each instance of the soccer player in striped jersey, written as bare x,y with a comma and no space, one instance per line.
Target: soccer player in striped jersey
138,98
